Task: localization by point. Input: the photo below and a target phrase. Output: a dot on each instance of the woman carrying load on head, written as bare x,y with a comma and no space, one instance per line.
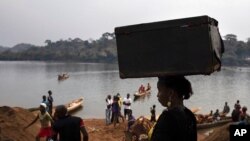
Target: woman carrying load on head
176,123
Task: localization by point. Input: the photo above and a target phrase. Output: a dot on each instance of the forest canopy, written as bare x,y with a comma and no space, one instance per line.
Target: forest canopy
103,50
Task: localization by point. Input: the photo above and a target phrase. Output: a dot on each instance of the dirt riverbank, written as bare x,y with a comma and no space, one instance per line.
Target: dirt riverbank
13,119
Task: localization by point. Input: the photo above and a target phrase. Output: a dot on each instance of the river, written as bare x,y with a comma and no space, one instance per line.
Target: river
23,83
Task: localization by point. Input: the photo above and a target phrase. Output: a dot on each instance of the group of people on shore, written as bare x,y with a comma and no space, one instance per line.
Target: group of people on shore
114,106
58,125
176,122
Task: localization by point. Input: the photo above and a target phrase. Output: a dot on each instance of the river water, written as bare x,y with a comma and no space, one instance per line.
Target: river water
22,84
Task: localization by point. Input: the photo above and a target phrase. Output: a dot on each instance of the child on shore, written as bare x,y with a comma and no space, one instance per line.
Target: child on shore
131,119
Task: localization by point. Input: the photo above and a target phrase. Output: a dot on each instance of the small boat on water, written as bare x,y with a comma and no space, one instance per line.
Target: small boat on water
137,94
63,76
75,104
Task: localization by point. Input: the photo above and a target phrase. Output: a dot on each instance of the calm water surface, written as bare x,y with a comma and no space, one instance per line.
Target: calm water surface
23,83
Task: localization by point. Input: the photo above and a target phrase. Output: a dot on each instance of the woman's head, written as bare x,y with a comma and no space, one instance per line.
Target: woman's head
177,87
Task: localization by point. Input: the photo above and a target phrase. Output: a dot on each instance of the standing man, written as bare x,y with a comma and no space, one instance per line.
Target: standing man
109,109
69,128
127,105
50,102
116,111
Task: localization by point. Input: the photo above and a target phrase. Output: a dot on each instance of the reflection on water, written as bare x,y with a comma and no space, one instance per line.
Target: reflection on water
23,84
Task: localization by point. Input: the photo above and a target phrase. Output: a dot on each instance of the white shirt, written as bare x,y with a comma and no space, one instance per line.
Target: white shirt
109,102
127,100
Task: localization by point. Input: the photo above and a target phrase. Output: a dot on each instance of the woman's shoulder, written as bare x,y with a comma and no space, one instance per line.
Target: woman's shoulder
176,110
189,113
167,115
178,113
188,110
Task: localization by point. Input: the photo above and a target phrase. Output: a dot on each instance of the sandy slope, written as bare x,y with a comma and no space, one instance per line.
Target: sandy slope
12,121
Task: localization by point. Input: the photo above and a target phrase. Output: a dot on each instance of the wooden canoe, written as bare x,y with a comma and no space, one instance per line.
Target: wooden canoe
75,104
63,77
143,93
72,106
213,124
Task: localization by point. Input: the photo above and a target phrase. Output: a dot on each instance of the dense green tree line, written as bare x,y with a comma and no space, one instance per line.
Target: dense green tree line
237,53
101,50
104,50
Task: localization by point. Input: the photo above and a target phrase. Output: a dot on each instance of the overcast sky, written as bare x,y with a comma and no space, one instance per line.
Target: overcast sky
34,21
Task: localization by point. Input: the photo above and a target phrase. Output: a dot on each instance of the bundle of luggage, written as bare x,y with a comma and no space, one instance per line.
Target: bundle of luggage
139,130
